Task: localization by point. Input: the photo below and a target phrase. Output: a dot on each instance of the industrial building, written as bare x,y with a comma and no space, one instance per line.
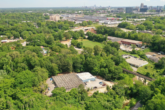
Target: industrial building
129,42
68,81
115,39
129,9
86,77
134,61
153,58
110,22
142,19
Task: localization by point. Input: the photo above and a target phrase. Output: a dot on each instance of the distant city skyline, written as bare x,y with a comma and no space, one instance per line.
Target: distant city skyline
77,3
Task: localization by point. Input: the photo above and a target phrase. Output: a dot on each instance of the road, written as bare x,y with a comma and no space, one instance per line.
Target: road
136,106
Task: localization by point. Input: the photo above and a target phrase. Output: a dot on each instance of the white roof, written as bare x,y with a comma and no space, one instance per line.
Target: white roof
4,40
85,76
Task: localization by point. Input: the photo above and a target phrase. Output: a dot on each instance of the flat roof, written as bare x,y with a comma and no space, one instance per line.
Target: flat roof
136,61
68,81
132,41
114,39
85,76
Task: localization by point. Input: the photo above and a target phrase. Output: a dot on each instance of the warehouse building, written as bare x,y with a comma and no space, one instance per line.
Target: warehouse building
86,77
68,81
115,39
129,42
134,61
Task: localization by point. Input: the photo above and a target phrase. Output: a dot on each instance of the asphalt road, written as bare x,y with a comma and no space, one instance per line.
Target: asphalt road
137,106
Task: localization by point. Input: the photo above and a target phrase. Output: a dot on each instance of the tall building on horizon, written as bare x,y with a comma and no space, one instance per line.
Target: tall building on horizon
129,9
142,5
143,8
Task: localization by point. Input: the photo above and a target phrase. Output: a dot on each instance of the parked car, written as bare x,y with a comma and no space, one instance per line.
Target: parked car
100,83
104,84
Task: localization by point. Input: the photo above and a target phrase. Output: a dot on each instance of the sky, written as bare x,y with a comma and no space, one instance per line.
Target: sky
77,3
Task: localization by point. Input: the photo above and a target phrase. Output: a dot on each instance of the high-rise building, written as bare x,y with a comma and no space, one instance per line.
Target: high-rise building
142,5
150,8
143,8
129,9
159,7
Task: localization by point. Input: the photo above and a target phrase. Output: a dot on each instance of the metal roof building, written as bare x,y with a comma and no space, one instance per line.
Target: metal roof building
86,77
68,81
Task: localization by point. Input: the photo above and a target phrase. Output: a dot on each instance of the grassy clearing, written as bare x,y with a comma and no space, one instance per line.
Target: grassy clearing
88,43
122,53
150,70
146,50
95,25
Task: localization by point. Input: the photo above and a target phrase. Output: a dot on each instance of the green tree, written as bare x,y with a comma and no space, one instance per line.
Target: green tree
67,35
97,50
144,94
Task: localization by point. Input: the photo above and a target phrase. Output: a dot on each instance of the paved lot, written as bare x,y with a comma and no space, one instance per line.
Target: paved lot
100,90
93,84
127,48
155,54
51,87
134,69
79,50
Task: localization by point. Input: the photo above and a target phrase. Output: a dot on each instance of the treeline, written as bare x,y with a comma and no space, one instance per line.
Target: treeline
154,24
155,42
96,37
154,95
63,25
147,25
29,29
85,23
76,43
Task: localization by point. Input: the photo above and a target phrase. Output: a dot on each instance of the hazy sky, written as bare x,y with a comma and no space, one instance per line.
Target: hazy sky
76,3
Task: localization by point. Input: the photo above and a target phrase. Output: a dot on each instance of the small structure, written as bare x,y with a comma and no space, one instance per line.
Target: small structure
68,81
43,50
86,77
153,58
4,41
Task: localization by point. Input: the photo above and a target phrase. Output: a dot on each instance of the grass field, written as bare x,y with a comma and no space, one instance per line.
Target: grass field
88,43
150,70
122,53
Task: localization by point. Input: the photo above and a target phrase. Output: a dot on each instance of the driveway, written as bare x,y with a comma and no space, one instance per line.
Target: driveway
51,87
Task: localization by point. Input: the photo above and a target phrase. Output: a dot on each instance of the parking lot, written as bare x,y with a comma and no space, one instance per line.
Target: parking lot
155,54
94,84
